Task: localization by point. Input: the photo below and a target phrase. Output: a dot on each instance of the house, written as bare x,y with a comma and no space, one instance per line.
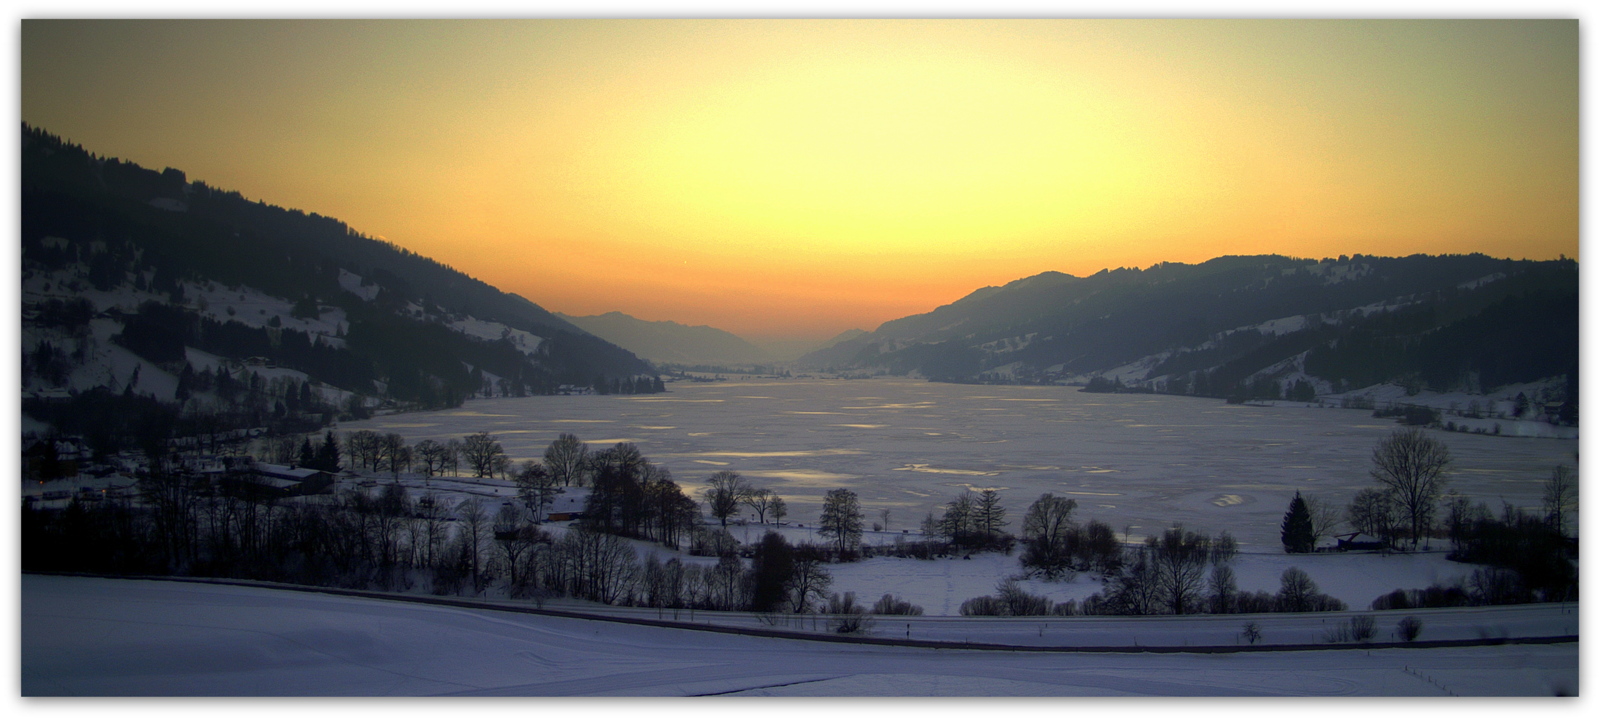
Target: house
1359,541
567,506
285,481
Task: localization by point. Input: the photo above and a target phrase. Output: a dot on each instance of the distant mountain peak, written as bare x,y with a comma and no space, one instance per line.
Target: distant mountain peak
668,341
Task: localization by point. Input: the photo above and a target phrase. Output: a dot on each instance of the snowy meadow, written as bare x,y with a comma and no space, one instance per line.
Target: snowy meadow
88,636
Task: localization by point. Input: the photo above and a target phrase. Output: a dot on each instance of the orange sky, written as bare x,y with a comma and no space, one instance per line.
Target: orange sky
799,178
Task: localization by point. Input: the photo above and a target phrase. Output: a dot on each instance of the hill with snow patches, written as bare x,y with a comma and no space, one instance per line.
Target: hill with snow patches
1257,328
142,286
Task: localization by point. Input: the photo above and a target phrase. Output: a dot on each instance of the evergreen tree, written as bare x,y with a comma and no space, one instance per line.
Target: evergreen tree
328,453
308,456
1297,532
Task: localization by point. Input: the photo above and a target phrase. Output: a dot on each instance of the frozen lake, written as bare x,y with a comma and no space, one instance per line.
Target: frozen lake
1138,462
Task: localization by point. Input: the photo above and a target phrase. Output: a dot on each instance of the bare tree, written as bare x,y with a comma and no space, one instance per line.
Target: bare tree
1560,498
957,524
779,509
394,453
567,460
1048,519
724,491
1050,536
1460,516
1179,559
435,526
990,515
1325,516
1224,548
841,519
513,542
725,580
362,447
452,457
1296,591
431,454
283,450
760,501
1223,588
472,518
1412,465
1372,512
536,486
479,450
1134,589
810,580
602,567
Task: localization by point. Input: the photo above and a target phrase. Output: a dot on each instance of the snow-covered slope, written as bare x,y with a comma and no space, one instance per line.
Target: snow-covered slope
95,637
126,271
1247,327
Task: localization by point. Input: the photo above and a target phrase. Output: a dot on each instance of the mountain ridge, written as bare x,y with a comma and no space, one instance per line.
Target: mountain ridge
667,341
1246,326
129,272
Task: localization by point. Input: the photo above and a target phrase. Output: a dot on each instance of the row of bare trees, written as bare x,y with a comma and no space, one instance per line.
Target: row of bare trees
1170,574
726,491
605,568
971,521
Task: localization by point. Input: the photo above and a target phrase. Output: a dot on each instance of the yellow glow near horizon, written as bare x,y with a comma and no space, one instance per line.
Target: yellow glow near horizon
803,177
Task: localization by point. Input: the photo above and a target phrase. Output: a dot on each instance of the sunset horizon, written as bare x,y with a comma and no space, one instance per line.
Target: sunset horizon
794,179
989,358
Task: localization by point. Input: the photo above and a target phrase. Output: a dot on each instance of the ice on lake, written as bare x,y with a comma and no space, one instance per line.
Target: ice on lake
1138,462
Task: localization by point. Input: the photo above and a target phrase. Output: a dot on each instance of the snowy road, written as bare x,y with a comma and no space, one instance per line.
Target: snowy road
84,636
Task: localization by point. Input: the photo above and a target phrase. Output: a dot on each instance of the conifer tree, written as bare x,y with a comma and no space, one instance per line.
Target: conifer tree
308,457
328,454
1297,532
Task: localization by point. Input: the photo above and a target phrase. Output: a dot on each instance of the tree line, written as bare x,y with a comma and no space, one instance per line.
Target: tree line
1529,553
383,537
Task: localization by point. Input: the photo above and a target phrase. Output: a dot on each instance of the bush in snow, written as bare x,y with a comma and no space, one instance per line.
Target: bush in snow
850,617
1010,600
1409,628
1356,629
891,605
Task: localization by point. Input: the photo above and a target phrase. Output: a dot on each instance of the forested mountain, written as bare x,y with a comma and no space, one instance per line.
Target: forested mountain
670,342
145,285
1248,327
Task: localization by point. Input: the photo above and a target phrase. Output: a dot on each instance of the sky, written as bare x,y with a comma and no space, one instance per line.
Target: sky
797,178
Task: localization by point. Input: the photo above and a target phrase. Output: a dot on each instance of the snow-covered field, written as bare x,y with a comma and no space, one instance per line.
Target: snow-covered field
83,636
1137,462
